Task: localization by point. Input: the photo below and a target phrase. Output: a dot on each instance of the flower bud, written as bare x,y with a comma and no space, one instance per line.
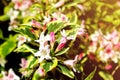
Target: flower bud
62,44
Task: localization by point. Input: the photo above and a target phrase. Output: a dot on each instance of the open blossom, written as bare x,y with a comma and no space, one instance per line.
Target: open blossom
106,54
22,39
22,5
72,63
47,19
43,53
113,37
12,25
13,14
59,16
43,39
23,65
10,76
107,44
81,30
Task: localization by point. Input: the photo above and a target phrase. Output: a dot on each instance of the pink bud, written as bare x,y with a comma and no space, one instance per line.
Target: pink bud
80,56
35,24
62,43
44,28
54,19
91,56
23,63
52,37
41,71
107,67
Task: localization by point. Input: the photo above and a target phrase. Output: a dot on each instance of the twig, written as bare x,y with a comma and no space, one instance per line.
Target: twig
116,68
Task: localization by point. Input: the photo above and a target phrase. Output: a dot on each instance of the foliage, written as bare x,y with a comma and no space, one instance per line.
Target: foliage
60,37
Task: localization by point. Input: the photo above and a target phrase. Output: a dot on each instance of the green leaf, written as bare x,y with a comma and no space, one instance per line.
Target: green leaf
4,17
66,71
8,46
108,18
36,6
73,18
32,61
72,33
55,26
1,34
90,76
24,48
48,65
8,7
36,76
105,76
26,31
62,52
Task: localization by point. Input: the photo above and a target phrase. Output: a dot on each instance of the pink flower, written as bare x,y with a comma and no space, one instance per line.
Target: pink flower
81,31
35,24
80,56
64,17
23,63
108,67
108,50
11,75
22,5
41,71
117,46
21,40
72,63
58,4
47,19
43,53
81,7
91,56
12,25
52,37
59,16
62,44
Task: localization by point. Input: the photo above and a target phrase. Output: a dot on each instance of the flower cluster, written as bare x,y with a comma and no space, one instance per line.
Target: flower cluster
106,46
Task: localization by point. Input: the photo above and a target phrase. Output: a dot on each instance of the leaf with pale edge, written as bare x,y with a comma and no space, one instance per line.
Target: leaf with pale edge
105,76
49,65
90,76
66,71
8,46
55,26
